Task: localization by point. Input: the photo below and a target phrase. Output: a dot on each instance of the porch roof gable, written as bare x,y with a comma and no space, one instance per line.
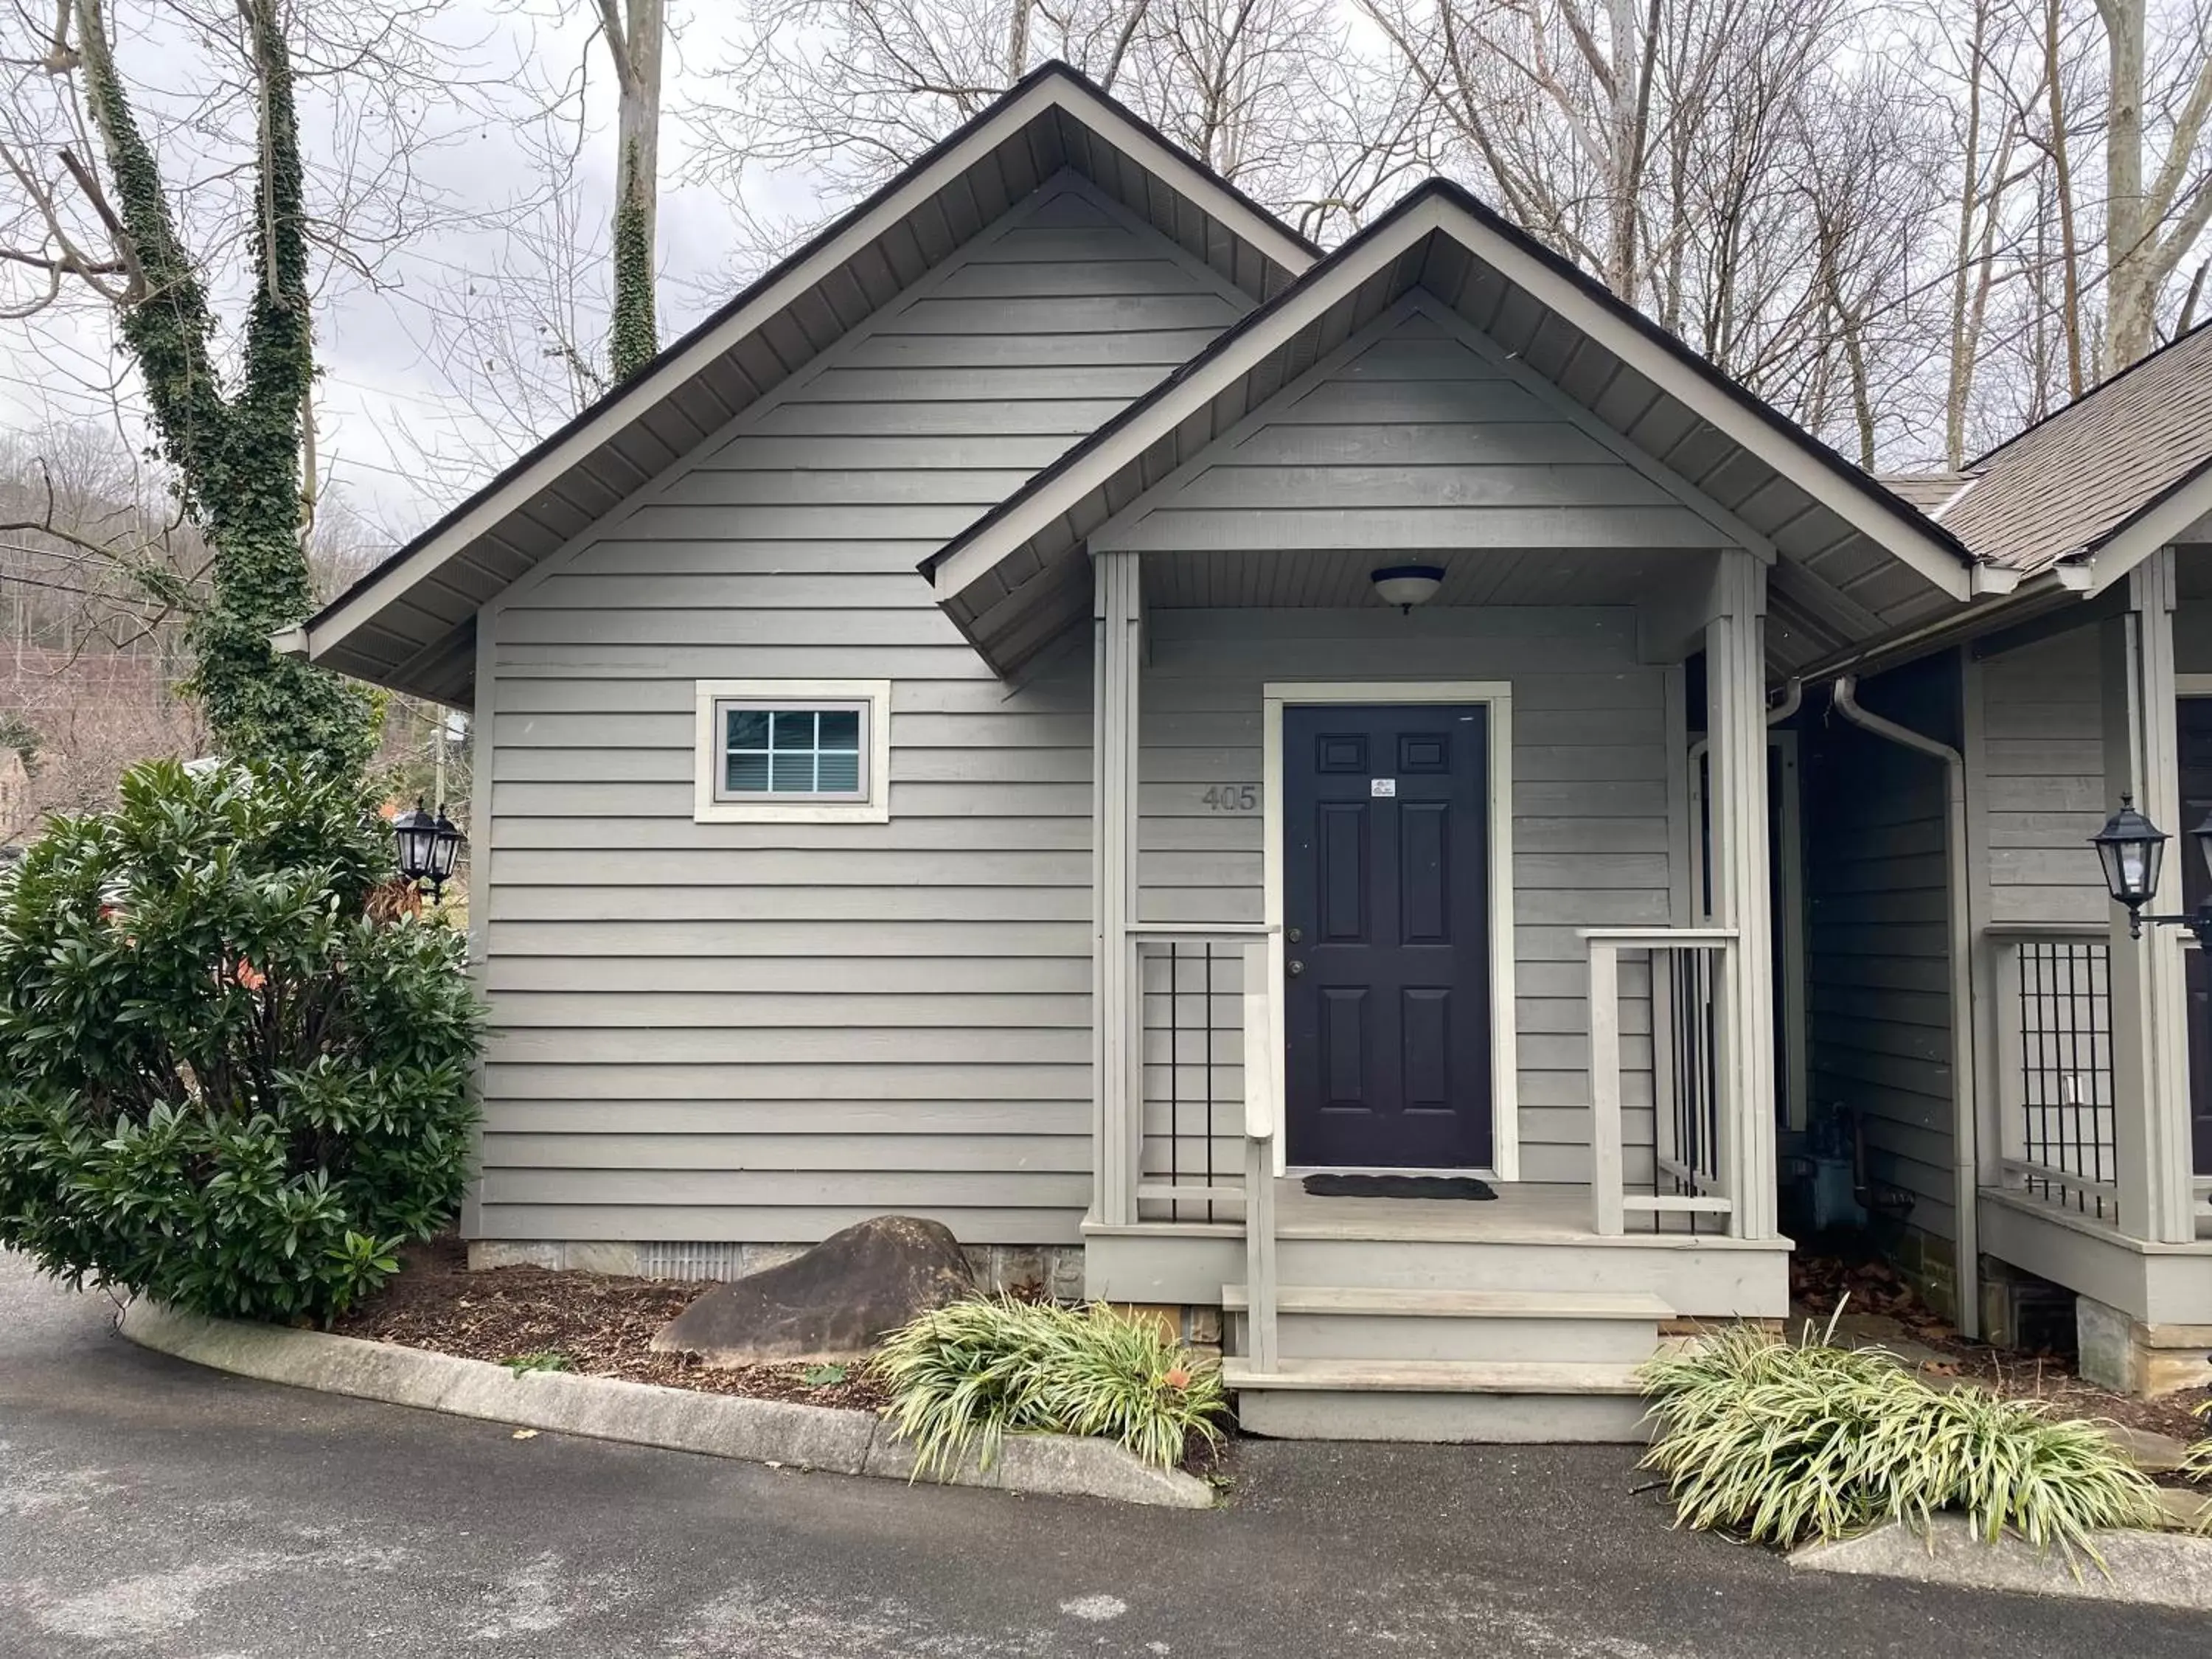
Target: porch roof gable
1852,558
409,622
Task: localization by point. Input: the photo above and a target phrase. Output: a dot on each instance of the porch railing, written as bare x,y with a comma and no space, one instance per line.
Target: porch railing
1655,1017
2059,1140
1203,1111
1194,985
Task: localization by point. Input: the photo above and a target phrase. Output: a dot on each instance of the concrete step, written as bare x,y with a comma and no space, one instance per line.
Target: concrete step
1703,1277
1366,1323
1517,1402
1697,1277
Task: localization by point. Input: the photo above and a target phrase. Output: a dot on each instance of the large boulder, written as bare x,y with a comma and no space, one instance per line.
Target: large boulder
835,1302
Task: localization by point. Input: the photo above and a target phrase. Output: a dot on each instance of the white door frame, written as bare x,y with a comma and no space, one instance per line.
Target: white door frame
1496,697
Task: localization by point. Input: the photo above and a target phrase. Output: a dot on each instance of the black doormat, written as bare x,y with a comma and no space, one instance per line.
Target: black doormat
1397,1186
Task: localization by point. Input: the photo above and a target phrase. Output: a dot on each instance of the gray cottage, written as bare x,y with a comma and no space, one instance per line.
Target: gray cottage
1064,710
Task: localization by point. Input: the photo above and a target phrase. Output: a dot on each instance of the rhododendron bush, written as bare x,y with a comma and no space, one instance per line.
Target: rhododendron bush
234,1076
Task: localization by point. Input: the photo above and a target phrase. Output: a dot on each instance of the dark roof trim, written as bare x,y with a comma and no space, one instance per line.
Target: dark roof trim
1443,190
639,394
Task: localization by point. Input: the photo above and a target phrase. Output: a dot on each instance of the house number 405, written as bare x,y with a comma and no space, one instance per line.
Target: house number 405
1232,798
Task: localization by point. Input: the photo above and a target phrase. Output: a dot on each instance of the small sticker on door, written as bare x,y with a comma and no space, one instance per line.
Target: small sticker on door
1381,787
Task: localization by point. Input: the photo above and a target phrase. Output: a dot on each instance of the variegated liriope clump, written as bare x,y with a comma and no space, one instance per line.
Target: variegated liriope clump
968,1374
1785,1442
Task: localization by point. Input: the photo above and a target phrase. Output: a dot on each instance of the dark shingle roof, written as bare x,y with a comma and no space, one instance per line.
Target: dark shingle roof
2064,486
1931,492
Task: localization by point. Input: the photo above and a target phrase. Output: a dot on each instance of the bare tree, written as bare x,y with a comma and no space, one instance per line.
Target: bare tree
2150,225
634,31
97,581
1270,94
154,214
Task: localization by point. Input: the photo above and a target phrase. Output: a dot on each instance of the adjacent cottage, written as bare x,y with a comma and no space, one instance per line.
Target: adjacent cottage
1065,710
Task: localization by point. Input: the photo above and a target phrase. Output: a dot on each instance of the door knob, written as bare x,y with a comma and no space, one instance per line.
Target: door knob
1294,968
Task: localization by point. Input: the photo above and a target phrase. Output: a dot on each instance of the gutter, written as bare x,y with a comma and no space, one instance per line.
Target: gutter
1998,602
1966,1149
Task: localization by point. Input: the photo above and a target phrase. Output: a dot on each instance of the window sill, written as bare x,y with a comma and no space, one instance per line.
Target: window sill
791,812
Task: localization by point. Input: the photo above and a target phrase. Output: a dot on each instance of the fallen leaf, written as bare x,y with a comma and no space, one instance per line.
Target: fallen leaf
526,1434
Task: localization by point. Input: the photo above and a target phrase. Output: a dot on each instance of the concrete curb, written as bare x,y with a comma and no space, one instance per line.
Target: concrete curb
841,1442
2151,1569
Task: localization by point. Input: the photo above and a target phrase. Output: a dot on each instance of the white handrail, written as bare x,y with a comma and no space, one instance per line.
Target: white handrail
1259,1047
1610,1201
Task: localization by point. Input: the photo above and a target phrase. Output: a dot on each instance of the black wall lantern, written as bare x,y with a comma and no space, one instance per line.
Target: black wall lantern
427,846
2131,847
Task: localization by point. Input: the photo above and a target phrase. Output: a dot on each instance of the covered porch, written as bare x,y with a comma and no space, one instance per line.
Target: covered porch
1482,887
1614,1095
2093,1144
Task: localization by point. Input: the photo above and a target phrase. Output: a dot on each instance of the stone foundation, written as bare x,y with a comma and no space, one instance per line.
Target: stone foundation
1928,1263
2123,1354
1195,1328
2023,1312
1053,1269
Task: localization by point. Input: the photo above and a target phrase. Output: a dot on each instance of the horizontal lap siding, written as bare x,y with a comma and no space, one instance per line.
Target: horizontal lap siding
2043,770
1415,441
763,1032
1591,838
1879,1013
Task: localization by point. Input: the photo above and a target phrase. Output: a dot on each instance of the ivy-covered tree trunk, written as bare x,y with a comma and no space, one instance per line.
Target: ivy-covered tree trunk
235,454
635,44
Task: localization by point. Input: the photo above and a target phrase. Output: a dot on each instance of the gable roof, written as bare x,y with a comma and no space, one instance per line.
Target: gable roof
2066,488
1931,492
409,622
1853,557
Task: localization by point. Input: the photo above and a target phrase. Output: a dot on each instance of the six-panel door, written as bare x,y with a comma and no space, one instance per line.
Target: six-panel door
1386,936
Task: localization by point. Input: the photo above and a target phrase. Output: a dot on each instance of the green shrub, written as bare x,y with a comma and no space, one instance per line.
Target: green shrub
972,1373
1785,1442
222,1084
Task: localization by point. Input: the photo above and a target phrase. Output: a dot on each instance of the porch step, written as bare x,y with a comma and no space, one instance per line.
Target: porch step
1501,1401
1479,1326
1436,1376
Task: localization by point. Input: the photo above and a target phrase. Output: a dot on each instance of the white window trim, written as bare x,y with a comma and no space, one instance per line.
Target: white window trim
706,758
1497,697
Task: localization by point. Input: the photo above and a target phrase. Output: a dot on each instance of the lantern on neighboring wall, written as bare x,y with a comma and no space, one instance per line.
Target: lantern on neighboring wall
2130,847
427,846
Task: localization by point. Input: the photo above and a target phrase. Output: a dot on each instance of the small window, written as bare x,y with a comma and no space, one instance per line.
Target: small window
792,751
781,752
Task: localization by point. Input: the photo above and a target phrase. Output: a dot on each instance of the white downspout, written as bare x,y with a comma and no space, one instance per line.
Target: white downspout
1966,1110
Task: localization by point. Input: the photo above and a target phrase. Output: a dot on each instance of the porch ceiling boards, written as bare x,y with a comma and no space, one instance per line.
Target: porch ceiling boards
1340,578
1853,560
410,623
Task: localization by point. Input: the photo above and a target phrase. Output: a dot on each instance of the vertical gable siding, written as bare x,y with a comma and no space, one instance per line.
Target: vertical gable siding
2042,772
1590,825
764,1032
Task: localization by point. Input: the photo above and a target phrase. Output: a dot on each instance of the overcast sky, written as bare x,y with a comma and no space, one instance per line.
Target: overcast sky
386,396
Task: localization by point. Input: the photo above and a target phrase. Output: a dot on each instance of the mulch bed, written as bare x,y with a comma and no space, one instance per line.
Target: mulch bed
601,1325
1819,1283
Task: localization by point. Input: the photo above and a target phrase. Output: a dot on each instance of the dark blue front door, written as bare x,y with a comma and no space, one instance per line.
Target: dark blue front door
1386,936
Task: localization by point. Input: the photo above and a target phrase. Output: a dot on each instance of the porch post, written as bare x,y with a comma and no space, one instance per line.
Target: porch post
1116,1059
1735,723
2150,1040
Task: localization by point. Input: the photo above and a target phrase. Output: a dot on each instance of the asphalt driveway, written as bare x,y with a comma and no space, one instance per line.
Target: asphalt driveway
148,1507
